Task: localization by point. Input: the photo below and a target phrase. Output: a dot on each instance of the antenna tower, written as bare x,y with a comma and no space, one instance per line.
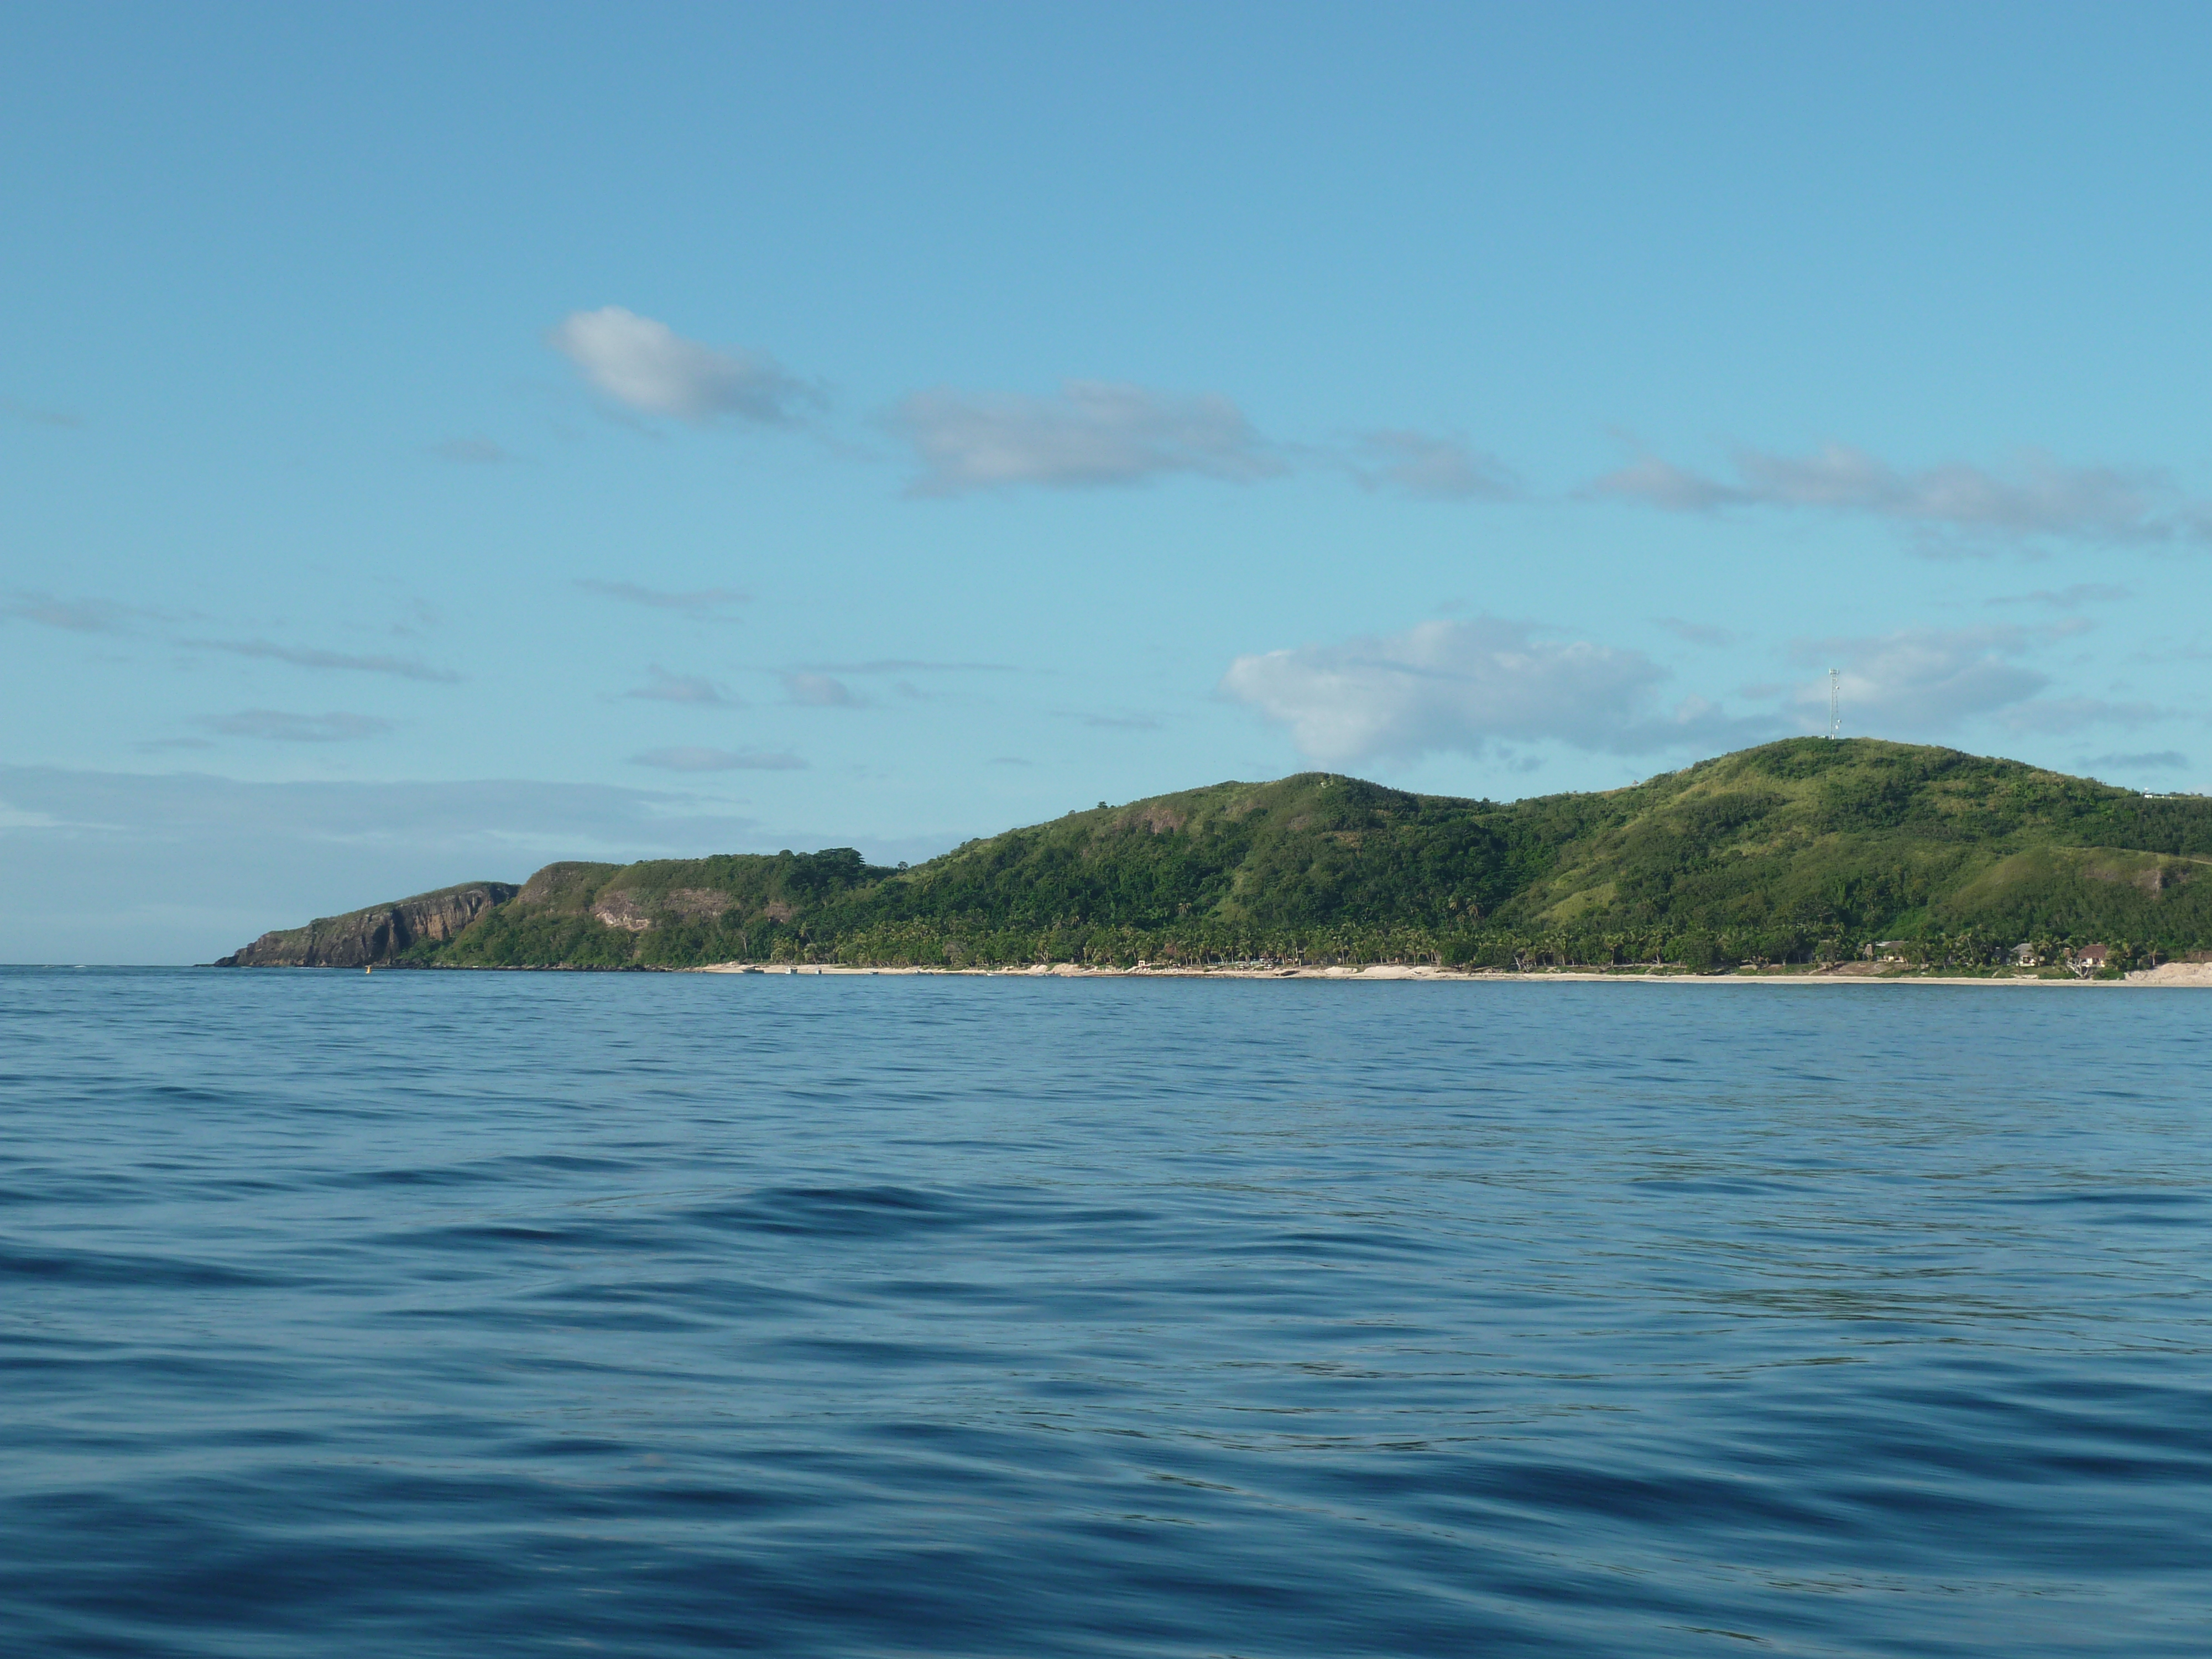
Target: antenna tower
1835,708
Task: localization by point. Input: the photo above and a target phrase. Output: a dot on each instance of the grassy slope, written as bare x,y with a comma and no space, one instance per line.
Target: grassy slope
1793,849
1862,837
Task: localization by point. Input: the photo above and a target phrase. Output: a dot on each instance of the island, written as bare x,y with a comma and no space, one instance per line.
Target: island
1810,855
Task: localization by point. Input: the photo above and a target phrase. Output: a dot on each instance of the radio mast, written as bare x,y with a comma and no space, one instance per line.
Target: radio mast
1835,712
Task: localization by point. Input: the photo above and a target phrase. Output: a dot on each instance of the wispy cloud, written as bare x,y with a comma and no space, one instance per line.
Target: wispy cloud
480,818
2157,760
276,725
646,366
405,668
39,416
2068,598
418,618
180,866
693,759
820,692
702,601
661,686
2038,497
906,666
1696,633
1661,483
471,451
2063,715
1439,468
76,615
1114,722
1094,433
1464,686
1091,433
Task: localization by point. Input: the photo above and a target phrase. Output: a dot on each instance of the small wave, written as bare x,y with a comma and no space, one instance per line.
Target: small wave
872,1212
113,1268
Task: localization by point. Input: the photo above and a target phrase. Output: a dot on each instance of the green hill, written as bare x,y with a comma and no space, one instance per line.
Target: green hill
1795,851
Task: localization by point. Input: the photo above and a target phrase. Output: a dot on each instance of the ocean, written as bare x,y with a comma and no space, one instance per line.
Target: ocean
431,1314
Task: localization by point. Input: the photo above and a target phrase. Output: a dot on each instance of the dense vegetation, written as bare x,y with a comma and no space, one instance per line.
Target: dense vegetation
1798,851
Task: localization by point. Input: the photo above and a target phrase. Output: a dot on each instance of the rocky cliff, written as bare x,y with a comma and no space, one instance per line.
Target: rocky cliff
378,934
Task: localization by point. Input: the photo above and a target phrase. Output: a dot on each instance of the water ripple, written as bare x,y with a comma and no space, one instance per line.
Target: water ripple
449,1314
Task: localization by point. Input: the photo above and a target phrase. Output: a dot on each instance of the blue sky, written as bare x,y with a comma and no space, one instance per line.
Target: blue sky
435,440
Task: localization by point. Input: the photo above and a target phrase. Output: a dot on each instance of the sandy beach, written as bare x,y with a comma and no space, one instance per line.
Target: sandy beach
2168,974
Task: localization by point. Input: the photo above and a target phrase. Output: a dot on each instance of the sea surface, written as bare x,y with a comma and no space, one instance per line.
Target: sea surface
432,1314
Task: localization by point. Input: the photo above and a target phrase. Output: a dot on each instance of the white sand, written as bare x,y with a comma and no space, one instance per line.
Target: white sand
2174,973
2170,974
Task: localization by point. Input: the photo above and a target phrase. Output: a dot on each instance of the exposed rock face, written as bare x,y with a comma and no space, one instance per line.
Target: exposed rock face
698,901
374,935
634,914
621,911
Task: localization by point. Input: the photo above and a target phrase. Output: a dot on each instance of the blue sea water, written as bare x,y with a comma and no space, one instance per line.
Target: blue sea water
445,1314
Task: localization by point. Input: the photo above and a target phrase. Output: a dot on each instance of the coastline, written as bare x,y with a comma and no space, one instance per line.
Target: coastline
2168,975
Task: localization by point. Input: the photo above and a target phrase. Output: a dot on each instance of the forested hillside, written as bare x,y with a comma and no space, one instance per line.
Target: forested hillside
1800,850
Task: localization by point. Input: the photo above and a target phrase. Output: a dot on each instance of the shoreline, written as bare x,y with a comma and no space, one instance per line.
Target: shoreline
2168,975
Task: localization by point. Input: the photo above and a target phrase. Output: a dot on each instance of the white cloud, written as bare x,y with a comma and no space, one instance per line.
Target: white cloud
2063,714
1920,681
1443,469
820,692
405,668
1925,681
648,366
2038,497
1661,483
1094,433
693,759
661,686
281,727
1465,685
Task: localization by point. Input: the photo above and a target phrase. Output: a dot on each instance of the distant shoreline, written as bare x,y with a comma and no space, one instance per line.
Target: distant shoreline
2172,974
1621,883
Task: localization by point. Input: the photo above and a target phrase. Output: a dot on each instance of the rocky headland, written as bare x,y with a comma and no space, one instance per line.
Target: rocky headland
363,938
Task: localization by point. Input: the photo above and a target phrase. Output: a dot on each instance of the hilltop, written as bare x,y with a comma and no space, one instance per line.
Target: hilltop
1800,850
